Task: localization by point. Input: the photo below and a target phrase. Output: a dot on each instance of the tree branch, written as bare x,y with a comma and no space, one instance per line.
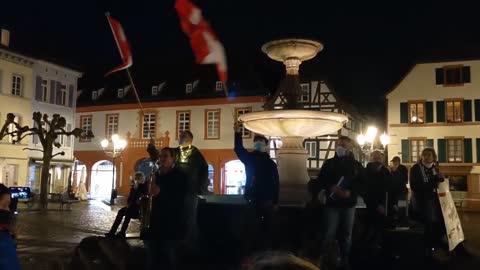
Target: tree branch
21,138
59,154
33,149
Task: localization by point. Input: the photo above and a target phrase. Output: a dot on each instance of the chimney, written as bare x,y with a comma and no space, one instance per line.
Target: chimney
5,37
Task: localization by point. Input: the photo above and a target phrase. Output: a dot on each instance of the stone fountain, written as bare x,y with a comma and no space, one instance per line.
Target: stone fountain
292,123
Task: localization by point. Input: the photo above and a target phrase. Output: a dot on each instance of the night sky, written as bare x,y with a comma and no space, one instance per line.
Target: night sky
368,45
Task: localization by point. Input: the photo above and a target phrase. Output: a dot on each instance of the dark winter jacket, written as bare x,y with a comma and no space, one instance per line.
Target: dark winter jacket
332,171
194,166
399,180
262,183
378,181
136,194
424,184
173,207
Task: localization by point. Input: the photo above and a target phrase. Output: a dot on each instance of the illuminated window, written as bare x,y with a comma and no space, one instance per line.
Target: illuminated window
455,150
416,148
86,125
417,112
17,83
245,132
183,121
454,111
148,125
212,124
112,125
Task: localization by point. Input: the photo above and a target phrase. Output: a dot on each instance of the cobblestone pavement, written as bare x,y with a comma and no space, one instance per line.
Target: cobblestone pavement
47,240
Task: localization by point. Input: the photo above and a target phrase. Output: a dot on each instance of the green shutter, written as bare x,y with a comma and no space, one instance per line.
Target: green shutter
467,111
429,143
478,150
466,74
429,112
439,76
404,112
440,111
467,144
442,150
405,151
477,109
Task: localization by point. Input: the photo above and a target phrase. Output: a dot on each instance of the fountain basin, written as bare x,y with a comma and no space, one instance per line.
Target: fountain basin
283,49
293,123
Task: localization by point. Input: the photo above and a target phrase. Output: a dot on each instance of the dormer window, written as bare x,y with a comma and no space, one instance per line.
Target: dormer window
188,88
120,92
94,95
154,90
219,86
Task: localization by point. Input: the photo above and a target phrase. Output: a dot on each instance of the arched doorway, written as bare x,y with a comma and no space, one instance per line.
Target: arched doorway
234,178
101,179
145,166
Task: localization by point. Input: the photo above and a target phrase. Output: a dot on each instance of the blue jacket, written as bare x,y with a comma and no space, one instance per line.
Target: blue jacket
8,253
262,183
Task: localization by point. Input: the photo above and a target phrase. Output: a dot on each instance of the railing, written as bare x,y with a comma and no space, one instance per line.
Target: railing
161,142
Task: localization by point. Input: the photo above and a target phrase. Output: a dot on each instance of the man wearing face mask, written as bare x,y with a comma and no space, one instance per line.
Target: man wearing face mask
262,182
341,177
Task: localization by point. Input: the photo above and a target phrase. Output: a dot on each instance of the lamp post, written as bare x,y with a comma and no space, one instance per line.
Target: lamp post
367,141
117,149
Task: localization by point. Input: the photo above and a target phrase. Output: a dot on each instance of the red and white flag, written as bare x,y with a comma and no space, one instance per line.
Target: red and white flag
122,44
205,44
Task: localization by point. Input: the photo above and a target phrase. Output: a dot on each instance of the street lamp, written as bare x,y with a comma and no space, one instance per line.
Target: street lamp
367,141
118,147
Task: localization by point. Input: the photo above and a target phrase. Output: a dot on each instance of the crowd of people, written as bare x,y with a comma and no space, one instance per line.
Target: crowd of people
182,175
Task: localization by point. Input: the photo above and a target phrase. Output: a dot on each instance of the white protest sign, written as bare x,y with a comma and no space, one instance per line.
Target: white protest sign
452,221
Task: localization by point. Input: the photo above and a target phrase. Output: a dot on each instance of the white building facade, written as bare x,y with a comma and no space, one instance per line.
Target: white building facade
438,105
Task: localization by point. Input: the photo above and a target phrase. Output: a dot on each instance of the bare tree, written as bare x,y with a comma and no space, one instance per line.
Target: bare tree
47,130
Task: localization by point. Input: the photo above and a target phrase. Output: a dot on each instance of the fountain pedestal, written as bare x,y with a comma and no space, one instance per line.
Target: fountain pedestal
291,159
292,123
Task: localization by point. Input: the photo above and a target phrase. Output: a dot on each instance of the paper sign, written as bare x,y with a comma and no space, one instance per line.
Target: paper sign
450,216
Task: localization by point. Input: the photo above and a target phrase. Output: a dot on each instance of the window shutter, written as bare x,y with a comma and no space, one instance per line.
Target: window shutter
429,143
70,96
440,111
404,112
52,92
439,76
478,150
477,109
406,151
442,150
466,74
58,91
429,112
467,145
38,88
467,111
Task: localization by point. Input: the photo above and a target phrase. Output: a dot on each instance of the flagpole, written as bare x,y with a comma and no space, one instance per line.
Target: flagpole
136,95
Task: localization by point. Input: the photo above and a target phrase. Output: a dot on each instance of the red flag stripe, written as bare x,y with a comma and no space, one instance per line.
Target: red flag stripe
122,44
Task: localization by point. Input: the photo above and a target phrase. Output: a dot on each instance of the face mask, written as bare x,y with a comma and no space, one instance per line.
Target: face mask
259,146
341,151
428,165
